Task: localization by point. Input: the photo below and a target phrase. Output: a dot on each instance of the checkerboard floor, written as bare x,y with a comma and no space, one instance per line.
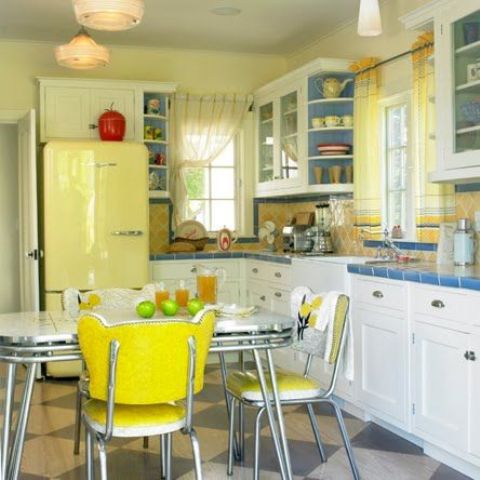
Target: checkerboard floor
380,454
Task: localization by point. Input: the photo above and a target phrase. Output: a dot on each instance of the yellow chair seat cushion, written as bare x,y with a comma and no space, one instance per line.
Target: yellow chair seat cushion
291,386
135,420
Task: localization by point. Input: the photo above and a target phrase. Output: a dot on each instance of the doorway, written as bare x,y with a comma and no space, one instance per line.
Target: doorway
19,282
9,216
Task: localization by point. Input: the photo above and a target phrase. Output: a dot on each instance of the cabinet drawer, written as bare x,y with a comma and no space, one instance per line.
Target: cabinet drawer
269,272
381,294
443,303
182,269
280,300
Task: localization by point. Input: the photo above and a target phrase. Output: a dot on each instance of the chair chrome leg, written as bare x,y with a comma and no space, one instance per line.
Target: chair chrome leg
231,436
346,440
316,432
168,456
241,430
145,442
7,419
258,427
163,459
223,372
102,456
89,454
196,454
78,422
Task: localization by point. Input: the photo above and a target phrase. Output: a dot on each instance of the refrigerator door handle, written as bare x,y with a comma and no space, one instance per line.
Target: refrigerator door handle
127,233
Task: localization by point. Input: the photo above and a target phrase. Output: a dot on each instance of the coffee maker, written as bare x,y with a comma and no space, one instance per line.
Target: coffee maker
320,232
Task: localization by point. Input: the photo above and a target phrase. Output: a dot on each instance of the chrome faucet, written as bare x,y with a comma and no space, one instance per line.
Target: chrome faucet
389,245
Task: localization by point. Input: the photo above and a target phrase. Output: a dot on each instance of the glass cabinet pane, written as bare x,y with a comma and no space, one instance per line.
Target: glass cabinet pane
265,143
466,78
289,136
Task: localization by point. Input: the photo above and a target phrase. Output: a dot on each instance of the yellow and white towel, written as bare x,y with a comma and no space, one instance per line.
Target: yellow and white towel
322,307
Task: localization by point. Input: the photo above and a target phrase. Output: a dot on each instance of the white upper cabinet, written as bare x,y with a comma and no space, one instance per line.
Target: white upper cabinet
456,25
288,160
458,74
72,111
280,159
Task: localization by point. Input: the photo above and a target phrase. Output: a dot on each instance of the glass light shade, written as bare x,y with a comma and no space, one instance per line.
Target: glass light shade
369,21
112,15
82,53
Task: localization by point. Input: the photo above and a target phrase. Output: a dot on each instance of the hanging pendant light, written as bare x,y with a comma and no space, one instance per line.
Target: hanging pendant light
82,53
112,15
369,21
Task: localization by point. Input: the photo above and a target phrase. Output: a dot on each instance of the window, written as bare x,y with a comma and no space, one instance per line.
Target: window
398,206
212,191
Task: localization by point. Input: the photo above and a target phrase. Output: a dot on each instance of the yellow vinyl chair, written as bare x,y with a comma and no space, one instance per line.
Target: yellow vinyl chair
74,302
143,376
243,388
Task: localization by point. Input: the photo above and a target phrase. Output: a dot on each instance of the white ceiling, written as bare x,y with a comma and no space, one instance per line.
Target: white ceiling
264,26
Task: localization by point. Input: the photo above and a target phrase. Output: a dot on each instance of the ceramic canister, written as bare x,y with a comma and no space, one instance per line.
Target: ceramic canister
463,243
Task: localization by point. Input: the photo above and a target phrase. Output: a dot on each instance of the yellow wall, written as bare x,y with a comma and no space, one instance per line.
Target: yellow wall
194,71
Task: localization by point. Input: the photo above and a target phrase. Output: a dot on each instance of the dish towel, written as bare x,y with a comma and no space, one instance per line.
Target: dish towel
322,317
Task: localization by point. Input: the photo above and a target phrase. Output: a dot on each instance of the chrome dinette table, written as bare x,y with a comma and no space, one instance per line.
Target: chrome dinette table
32,338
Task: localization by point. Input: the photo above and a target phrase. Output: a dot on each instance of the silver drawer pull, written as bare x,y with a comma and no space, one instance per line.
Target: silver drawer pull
92,126
127,233
377,294
263,298
278,274
193,269
278,294
437,304
255,270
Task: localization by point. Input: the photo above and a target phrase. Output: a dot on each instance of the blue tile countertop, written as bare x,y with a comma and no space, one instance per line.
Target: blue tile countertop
265,256
429,273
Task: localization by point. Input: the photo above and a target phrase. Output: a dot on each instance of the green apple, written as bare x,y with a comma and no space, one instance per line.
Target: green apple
146,309
194,306
169,307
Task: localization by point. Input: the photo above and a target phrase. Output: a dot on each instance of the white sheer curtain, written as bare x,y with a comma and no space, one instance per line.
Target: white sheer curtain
202,126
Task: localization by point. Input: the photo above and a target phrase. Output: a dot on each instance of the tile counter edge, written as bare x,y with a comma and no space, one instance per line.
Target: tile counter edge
265,256
426,273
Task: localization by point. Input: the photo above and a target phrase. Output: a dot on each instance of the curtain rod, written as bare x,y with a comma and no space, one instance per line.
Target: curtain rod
395,57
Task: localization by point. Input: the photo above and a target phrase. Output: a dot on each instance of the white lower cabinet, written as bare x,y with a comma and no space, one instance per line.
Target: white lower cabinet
441,384
381,348
381,362
474,396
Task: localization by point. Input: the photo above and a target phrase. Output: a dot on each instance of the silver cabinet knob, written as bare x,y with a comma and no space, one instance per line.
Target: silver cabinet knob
278,274
377,294
437,304
255,270
263,298
278,294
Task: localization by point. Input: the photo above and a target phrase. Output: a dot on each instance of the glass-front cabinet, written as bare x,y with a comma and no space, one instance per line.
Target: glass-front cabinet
458,61
279,160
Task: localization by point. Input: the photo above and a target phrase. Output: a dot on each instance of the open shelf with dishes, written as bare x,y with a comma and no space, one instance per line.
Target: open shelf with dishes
155,137
330,132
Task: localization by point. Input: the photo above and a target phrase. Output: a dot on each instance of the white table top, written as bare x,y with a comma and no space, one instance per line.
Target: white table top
33,328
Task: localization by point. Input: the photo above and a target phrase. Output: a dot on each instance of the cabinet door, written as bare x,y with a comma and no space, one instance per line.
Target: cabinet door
265,152
459,107
474,410
288,151
441,384
381,356
67,113
258,295
280,300
122,100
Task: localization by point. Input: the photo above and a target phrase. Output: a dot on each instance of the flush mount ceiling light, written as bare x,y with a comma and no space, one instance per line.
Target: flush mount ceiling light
369,21
82,53
112,15
226,11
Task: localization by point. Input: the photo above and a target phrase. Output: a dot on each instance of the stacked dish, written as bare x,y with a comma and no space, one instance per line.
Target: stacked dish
334,148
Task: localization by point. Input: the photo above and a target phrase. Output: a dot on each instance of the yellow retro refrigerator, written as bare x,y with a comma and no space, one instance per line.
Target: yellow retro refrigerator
95,216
